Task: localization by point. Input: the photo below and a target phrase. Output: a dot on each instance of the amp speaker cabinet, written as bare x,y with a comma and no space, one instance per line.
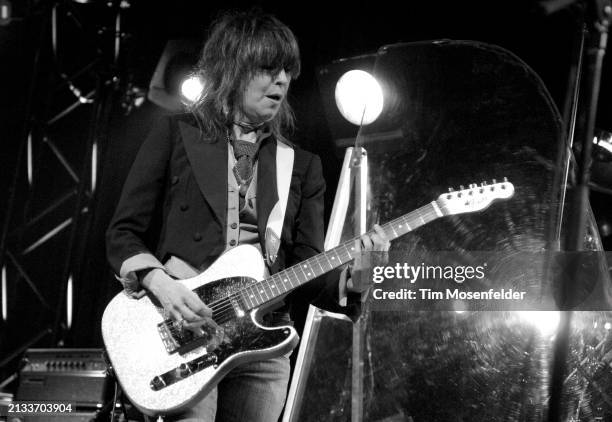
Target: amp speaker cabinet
68,417
76,376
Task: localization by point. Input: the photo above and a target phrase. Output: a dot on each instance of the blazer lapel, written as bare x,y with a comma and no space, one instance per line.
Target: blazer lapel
208,161
267,192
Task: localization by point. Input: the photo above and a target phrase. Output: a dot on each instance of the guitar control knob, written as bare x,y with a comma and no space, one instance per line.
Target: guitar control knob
184,370
157,383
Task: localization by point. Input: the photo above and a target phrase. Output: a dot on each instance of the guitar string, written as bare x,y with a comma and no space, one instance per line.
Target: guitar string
225,304
321,258
318,258
224,307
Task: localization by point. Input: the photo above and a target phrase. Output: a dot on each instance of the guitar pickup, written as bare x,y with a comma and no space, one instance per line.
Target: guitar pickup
183,371
177,340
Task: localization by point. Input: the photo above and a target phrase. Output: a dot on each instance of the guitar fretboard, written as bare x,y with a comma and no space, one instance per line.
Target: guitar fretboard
284,281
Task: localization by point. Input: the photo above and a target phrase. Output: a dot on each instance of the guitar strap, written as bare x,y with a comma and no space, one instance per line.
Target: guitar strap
274,227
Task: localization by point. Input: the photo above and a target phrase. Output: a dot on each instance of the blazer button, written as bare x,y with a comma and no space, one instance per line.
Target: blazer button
197,236
232,242
184,207
175,180
233,225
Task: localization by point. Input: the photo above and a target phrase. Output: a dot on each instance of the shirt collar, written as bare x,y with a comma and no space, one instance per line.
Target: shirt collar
262,132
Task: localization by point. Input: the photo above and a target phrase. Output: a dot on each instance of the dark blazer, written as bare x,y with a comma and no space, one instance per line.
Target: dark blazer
183,176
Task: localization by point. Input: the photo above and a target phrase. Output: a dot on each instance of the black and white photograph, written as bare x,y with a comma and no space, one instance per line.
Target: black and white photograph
277,211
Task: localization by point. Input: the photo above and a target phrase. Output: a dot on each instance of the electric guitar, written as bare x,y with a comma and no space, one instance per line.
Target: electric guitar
164,368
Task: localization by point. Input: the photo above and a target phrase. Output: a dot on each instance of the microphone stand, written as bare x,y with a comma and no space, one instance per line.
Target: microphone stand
598,17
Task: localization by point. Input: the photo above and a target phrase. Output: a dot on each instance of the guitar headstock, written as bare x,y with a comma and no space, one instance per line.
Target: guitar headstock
474,198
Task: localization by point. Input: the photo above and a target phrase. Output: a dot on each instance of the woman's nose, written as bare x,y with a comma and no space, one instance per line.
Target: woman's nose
282,78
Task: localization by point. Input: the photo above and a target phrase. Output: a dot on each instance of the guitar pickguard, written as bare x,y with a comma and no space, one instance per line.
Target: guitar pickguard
239,332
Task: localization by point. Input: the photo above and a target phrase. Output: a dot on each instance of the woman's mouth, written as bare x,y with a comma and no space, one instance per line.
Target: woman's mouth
275,97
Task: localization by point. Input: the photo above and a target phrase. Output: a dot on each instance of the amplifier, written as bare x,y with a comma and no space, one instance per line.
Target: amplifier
76,376
68,417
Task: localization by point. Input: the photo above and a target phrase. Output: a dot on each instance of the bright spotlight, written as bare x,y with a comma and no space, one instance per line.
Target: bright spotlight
359,97
546,321
191,89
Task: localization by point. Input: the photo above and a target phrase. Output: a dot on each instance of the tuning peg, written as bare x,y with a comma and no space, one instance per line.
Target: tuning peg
505,179
461,187
451,190
483,184
494,181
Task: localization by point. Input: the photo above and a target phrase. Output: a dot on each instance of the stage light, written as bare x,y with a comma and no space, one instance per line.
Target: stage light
359,97
191,89
5,12
176,63
546,321
607,325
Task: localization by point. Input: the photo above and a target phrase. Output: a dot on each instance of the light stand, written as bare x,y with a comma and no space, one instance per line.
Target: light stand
598,13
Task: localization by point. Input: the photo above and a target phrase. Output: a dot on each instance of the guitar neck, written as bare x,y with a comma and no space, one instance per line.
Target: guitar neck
291,278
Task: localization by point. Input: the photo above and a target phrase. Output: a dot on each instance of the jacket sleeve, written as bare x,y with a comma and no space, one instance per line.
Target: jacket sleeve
126,247
324,291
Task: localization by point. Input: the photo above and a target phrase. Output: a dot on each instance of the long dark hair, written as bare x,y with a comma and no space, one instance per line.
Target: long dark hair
241,44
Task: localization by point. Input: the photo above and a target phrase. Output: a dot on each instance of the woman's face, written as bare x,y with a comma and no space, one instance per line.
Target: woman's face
263,96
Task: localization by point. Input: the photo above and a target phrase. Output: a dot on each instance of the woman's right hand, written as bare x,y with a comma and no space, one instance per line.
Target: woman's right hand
182,304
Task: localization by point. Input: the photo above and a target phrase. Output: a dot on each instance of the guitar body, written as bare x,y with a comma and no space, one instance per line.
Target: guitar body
164,370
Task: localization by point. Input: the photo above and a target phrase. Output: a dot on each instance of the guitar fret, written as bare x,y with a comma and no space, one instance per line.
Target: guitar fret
318,261
245,298
336,258
279,282
269,286
303,268
254,294
349,250
272,287
286,280
296,275
407,224
329,264
262,290
394,232
422,219
313,264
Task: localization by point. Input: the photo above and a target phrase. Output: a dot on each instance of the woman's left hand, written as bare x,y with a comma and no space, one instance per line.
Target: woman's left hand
373,242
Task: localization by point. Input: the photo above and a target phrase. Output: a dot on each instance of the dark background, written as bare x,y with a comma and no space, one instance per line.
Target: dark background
325,31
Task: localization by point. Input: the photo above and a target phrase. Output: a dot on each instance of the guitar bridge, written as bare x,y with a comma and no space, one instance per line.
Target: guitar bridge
183,371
